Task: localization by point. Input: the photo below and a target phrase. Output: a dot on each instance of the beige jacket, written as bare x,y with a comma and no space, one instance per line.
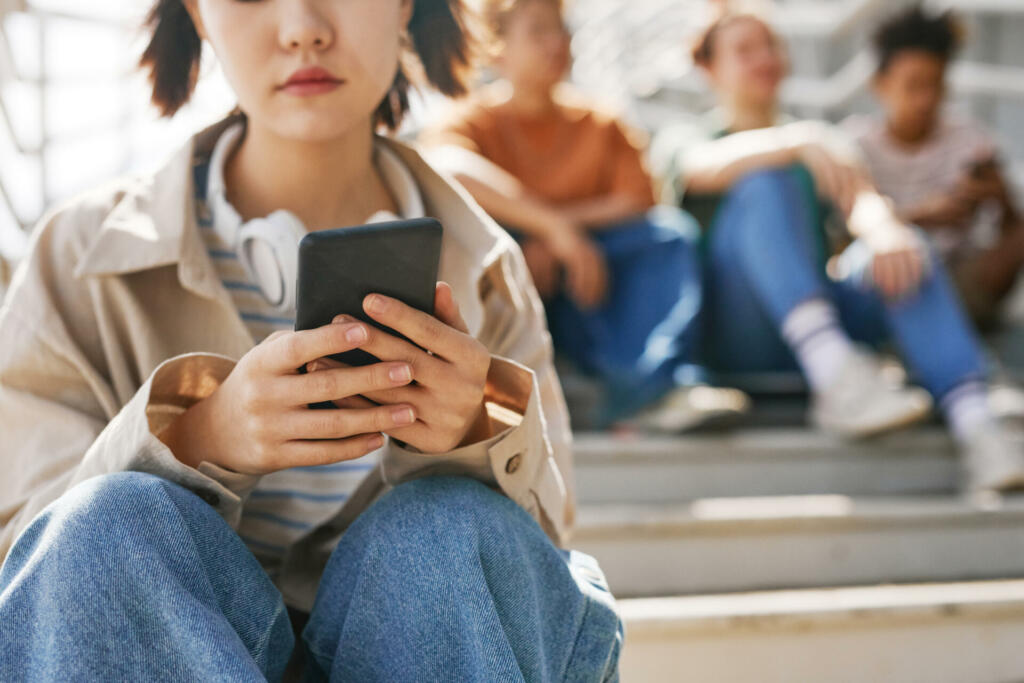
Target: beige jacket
116,322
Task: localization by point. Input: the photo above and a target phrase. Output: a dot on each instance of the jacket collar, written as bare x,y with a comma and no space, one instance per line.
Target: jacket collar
153,224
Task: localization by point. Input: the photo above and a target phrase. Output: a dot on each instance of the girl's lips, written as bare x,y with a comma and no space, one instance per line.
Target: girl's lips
311,81
310,87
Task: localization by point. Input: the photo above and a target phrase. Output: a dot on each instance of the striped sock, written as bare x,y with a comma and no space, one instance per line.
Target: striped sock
813,332
966,409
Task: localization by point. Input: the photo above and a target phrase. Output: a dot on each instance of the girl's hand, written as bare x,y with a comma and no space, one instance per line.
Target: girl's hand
450,375
258,421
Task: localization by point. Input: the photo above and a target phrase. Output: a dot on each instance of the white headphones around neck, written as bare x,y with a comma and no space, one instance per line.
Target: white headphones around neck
268,248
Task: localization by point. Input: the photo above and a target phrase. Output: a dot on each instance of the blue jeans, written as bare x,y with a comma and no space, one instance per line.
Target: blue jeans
763,259
130,577
643,340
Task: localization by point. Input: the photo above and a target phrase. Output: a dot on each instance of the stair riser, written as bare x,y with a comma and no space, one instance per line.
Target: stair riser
644,562
951,650
663,481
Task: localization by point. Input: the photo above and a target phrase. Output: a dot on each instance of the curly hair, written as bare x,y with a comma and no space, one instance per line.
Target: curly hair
915,29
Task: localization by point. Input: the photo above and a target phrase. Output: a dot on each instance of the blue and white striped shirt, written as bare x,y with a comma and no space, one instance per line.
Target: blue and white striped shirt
287,504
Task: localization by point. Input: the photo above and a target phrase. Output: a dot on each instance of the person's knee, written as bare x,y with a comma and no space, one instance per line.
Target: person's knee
114,496
442,503
118,505
764,182
451,519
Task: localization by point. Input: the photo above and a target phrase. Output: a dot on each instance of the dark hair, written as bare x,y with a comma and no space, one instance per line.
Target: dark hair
442,50
914,29
703,50
496,13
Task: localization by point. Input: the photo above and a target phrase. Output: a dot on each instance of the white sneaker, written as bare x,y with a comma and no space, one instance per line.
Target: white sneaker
687,408
993,459
864,402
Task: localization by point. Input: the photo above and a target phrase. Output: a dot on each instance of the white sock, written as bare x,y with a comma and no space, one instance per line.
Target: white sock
967,410
821,346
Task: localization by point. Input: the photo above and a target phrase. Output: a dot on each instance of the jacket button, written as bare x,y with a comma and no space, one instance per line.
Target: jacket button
210,497
512,466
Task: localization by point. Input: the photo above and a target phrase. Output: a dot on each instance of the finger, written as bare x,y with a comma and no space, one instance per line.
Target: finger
338,383
916,271
341,424
603,281
577,283
424,438
353,402
423,329
295,349
594,286
415,395
882,275
900,274
426,369
313,453
582,284
446,309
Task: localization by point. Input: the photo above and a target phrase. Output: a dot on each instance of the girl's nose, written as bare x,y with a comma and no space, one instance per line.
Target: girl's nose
304,27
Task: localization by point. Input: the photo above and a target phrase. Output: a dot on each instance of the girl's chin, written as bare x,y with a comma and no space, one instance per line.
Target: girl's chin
313,124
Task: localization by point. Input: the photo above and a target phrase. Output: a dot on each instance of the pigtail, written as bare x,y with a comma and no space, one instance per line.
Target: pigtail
172,55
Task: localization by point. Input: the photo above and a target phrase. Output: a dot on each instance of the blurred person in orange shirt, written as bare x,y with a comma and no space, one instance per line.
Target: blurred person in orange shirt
621,283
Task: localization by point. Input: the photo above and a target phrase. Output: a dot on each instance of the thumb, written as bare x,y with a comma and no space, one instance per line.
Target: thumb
446,309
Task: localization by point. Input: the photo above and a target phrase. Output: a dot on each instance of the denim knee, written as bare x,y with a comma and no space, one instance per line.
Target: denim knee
126,506
765,181
439,499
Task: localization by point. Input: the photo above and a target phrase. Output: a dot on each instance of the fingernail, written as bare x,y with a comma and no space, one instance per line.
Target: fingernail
356,334
374,303
403,416
400,374
343,318
376,441
316,366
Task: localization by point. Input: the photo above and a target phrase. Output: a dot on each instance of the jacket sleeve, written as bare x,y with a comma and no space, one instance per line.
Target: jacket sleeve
529,456
63,418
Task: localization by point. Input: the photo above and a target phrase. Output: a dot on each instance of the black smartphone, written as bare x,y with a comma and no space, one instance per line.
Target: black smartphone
338,268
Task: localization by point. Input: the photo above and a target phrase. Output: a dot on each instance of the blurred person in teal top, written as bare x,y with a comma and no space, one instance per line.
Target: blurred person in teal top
776,298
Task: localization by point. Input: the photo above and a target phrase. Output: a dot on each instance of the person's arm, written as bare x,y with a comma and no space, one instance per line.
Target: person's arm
714,166
528,453
508,202
62,418
944,210
900,257
603,212
501,194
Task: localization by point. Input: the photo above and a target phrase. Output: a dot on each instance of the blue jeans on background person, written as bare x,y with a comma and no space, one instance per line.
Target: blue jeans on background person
131,577
643,340
763,258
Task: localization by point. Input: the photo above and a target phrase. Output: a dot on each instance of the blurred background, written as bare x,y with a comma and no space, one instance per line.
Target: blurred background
73,109
769,554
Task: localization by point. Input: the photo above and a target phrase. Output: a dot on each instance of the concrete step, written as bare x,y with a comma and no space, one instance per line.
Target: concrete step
763,462
728,545
941,633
